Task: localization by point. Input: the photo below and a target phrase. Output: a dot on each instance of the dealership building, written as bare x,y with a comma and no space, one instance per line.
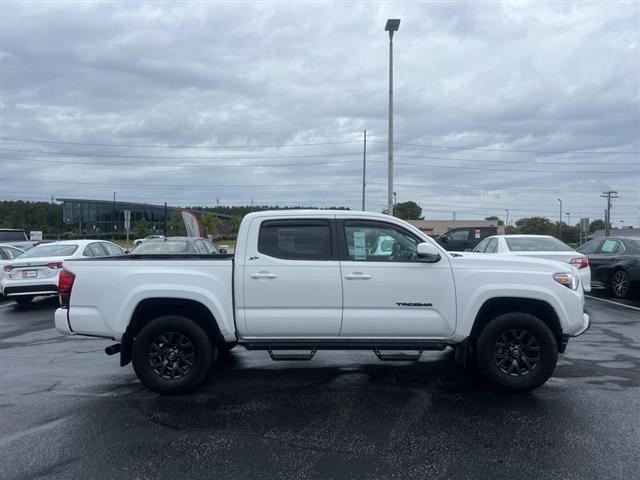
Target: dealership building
106,218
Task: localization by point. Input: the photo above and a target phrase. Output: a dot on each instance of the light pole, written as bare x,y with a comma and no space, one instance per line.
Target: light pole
506,223
568,218
560,221
393,24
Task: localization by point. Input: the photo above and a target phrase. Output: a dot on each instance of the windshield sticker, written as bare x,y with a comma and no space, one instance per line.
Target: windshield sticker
359,246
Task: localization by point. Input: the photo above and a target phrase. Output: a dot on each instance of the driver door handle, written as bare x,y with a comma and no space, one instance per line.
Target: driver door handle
357,276
263,275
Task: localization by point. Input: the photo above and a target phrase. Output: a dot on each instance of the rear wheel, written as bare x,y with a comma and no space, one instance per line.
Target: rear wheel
23,299
172,355
516,352
620,284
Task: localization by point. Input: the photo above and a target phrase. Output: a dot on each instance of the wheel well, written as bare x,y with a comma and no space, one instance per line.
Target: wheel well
497,306
152,308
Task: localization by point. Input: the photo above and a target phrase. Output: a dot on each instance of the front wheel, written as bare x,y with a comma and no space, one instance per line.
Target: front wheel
516,352
620,284
172,355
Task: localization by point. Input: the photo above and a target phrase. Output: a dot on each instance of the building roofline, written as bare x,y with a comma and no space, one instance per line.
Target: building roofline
153,205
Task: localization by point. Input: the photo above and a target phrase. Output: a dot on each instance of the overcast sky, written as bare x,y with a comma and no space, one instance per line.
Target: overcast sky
497,105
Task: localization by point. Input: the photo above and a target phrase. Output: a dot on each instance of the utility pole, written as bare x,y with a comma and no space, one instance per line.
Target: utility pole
454,216
560,221
609,195
568,214
506,223
391,26
165,222
364,168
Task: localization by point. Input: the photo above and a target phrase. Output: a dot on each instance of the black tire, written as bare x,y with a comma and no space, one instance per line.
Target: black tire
521,338
172,355
23,299
620,284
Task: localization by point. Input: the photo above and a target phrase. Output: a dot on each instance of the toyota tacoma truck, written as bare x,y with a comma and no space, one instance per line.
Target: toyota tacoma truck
305,280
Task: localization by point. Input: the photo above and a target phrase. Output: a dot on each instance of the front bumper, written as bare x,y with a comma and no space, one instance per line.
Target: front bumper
586,323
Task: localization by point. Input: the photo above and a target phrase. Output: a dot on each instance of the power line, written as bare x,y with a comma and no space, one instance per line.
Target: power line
129,145
542,152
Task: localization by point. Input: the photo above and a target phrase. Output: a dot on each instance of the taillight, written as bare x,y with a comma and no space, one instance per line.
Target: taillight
54,265
8,268
579,262
65,284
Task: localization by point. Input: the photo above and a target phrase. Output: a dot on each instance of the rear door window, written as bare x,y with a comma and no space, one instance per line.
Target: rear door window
459,235
295,240
112,249
590,247
610,246
11,253
492,246
93,250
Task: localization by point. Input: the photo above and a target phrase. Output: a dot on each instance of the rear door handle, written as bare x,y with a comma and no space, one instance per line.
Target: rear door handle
263,275
357,276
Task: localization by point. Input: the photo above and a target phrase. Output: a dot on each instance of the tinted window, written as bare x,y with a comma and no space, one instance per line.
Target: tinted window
590,247
11,253
93,250
482,246
112,249
492,246
610,246
209,247
13,237
379,242
198,244
164,247
536,244
458,235
295,241
50,251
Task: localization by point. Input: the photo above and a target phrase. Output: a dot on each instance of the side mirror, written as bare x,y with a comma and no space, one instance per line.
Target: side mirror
444,239
427,253
222,250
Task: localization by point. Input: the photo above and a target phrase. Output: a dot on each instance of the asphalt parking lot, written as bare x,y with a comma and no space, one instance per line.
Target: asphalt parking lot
69,411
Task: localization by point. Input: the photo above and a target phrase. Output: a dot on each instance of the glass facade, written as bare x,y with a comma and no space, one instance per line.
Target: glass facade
104,218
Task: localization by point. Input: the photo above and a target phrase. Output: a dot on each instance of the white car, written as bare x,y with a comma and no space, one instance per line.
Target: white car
36,271
538,246
138,241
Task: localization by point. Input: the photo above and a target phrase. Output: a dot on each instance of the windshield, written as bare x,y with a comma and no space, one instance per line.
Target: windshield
168,247
13,237
51,251
536,244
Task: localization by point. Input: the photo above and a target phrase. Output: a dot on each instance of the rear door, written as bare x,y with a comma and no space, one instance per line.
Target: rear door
604,257
291,280
391,294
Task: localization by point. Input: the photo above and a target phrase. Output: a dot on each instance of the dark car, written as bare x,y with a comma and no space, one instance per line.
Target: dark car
465,238
176,246
614,262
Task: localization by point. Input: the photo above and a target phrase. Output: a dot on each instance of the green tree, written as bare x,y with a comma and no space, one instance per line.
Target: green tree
175,224
500,222
235,224
536,226
408,211
142,228
211,223
596,225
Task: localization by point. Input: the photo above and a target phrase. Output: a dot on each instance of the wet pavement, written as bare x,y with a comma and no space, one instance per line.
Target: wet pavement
69,411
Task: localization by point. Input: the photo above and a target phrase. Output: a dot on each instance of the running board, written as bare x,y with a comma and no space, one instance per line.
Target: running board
291,356
398,357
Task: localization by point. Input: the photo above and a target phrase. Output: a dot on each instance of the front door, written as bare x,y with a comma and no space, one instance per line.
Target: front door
291,281
388,293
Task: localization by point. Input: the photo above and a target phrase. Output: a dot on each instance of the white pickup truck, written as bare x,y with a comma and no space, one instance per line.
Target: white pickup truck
301,281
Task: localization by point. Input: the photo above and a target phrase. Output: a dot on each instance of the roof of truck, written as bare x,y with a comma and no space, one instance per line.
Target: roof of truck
317,212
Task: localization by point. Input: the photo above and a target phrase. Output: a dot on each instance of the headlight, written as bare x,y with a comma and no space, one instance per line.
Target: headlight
569,280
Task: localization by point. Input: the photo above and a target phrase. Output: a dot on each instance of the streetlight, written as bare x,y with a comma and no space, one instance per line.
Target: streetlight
560,221
393,24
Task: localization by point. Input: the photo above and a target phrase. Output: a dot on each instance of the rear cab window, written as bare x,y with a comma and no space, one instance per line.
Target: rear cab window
295,239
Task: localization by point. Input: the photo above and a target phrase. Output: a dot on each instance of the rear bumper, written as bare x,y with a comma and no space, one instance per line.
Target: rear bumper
62,322
44,289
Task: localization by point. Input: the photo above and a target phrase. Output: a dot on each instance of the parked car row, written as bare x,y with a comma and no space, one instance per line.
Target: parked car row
26,274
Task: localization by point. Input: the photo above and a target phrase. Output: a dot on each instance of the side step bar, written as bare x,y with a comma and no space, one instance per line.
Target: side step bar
291,356
398,357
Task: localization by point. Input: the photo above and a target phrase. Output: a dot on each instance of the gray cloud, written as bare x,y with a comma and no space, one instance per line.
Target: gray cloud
492,78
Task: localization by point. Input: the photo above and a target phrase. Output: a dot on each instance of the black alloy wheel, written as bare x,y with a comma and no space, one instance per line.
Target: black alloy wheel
516,352
620,283
171,355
